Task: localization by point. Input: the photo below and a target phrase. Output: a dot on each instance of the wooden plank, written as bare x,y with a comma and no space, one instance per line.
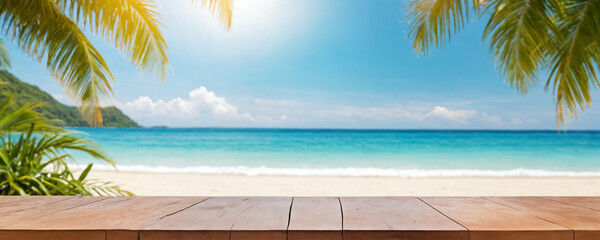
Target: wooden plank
121,213
118,213
396,218
12,205
224,218
211,219
122,235
315,218
9,204
587,202
266,219
51,235
5,200
584,221
35,207
488,220
184,235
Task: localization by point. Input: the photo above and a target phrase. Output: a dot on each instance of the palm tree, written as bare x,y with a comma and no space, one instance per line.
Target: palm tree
51,31
527,38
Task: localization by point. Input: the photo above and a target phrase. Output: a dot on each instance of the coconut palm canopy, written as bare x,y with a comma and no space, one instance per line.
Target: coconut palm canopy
54,33
527,38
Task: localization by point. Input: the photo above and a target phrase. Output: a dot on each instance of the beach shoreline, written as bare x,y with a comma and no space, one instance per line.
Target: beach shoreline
193,184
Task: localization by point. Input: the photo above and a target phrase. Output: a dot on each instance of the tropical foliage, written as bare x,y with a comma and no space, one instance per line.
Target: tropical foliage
528,38
52,32
24,93
4,58
34,156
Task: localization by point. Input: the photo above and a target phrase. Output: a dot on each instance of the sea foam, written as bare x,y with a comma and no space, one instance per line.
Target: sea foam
354,172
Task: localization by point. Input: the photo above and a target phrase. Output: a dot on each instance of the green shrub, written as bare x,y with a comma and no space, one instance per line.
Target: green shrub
34,156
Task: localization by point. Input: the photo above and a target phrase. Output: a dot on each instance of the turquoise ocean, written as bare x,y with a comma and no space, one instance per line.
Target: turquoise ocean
307,152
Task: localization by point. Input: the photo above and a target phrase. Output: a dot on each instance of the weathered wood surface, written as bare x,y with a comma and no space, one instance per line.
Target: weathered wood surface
91,216
581,220
488,220
315,218
396,218
587,202
226,218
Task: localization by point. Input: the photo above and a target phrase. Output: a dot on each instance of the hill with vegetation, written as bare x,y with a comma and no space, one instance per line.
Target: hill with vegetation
25,93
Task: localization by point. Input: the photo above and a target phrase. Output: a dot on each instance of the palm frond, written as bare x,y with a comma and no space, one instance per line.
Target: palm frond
33,160
519,33
132,26
223,9
44,32
21,119
432,22
58,144
4,57
574,65
526,37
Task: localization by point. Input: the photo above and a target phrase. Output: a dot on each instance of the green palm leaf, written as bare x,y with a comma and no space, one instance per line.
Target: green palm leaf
47,34
4,57
526,37
33,160
132,26
434,21
21,119
520,34
577,59
49,31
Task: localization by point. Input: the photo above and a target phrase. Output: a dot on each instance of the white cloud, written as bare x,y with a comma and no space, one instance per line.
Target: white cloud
397,113
461,116
523,120
408,113
204,108
491,119
200,105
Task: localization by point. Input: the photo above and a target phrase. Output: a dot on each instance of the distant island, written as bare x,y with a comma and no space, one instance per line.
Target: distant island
25,93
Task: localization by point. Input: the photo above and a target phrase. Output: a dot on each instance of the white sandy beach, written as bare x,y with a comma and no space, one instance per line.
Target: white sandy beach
190,184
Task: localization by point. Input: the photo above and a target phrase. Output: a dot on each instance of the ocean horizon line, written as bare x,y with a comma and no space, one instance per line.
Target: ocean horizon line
349,129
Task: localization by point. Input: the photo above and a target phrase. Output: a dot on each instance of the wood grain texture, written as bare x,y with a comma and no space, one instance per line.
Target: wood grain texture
118,213
11,204
266,218
584,221
35,207
208,220
225,218
587,202
396,218
488,220
316,218
30,200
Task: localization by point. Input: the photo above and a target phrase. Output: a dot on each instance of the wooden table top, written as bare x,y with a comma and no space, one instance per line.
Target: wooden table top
296,218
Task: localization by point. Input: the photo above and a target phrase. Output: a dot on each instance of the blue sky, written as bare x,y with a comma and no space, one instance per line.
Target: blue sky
316,64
